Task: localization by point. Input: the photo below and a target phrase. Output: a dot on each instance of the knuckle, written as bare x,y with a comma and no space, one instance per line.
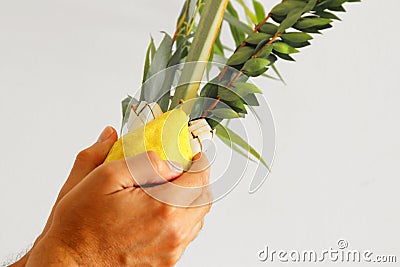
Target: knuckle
125,259
84,155
165,212
156,161
176,235
204,177
107,173
153,156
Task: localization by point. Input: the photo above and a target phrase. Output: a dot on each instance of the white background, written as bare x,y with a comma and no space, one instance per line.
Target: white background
65,66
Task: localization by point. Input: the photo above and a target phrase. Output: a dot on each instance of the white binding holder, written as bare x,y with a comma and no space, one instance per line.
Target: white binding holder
199,129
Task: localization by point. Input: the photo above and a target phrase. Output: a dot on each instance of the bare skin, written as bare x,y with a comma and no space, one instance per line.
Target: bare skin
103,218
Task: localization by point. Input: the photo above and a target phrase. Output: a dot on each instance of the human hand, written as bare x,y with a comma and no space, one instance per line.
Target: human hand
105,219
86,161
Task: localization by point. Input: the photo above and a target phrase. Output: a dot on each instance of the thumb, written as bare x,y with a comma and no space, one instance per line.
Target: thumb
86,161
90,158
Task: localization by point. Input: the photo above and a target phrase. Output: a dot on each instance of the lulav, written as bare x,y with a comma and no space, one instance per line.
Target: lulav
278,34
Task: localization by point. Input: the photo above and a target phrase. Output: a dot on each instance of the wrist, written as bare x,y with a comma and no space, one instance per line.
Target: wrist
51,252
21,262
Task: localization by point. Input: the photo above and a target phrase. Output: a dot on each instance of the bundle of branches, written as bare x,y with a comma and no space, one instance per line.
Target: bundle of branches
261,39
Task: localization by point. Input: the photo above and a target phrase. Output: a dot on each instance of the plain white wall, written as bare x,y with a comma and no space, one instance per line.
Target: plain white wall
65,66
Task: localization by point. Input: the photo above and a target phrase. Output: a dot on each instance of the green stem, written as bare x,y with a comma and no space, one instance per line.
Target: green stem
200,50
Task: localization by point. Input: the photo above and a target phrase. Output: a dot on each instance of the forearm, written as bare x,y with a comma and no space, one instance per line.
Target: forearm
49,253
21,262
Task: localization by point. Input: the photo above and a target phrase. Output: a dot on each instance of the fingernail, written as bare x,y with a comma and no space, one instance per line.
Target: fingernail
197,156
175,166
107,132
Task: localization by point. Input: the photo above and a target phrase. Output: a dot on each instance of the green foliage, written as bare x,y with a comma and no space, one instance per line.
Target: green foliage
240,56
151,88
269,28
296,37
255,66
259,9
229,137
278,34
225,113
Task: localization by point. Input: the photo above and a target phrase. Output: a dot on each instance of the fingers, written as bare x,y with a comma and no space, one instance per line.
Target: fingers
191,235
186,188
197,210
195,231
145,169
86,161
89,159
149,169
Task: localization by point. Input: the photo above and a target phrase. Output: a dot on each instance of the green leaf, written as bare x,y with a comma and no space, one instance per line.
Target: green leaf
272,58
279,19
251,100
210,90
177,56
327,15
249,14
259,9
236,148
231,10
317,29
152,50
150,92
290,20
296,37
337,9
238,36
336,3
228,134
125,104
147,61
311,22
227,94
323,4
225,113
275,69
269,28
257,37
255,66
165,87
284,56
310,6
298,45
191,11
241,56
237,105
237,23
270,77
284,8
218,46
238,91
284,48
244,89
265,50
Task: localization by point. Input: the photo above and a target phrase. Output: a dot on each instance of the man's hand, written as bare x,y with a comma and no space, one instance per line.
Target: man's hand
103,218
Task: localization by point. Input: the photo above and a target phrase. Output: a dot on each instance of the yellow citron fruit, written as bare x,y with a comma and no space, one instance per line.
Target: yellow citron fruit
167,135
